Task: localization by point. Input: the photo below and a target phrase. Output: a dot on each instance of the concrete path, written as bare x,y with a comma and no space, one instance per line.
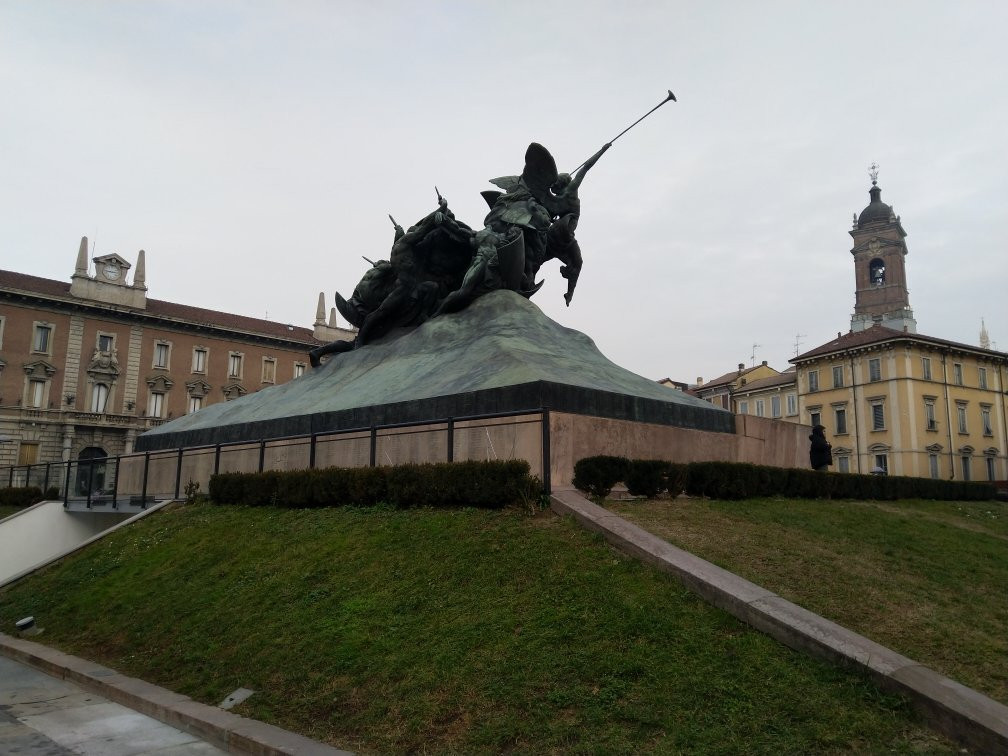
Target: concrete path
41,715
197,722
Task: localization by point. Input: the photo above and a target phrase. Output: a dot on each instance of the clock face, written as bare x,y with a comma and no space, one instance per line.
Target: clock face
111,272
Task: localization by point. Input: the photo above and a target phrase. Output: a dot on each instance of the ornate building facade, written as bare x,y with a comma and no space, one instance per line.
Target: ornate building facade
86,366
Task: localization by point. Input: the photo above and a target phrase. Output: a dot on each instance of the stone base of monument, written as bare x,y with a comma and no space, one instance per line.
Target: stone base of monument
446,380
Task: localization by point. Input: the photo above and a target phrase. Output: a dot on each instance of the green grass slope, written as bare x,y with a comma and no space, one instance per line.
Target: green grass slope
925,578
446,631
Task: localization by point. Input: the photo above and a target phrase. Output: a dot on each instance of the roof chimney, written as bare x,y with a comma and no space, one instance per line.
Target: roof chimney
764,363
699,380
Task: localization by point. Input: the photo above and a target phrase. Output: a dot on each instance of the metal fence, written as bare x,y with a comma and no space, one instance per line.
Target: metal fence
145,477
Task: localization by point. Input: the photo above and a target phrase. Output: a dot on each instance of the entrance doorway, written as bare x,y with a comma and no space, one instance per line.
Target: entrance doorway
91,474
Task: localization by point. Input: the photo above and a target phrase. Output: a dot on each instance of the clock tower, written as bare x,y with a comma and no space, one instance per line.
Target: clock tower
109,284
880,288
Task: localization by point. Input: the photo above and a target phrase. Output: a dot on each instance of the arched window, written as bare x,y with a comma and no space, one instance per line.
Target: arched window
876,271
99,397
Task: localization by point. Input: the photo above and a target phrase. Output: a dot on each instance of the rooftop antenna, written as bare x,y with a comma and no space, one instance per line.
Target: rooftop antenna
752,357
798,341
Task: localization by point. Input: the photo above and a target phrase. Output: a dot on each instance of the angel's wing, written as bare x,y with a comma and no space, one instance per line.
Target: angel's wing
540,170
507,183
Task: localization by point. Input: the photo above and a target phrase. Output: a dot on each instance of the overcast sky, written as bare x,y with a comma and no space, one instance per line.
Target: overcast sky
253,149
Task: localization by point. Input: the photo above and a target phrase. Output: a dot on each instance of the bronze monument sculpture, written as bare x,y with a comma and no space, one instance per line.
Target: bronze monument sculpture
441,265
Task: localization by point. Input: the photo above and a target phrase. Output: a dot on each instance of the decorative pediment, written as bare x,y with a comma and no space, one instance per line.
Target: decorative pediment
876,245
991,451
842,451
159,382
104,364
233,391
39,369
934,448
122,262
879,448
966,449
197,388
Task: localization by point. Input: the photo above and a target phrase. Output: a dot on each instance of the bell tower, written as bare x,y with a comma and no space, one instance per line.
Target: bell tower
880,289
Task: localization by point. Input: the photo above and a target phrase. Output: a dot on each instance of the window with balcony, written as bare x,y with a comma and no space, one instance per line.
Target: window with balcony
99,398
36,394
874,369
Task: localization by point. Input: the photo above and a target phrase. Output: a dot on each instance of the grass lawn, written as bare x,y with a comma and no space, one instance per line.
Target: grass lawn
7,510
446,631
927,579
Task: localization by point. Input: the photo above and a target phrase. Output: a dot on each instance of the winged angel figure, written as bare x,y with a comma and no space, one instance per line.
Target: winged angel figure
544,204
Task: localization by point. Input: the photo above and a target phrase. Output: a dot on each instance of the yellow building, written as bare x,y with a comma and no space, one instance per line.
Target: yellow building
891,398
721,390
907,403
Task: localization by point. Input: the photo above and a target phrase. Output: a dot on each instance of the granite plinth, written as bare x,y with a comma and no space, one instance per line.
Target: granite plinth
501,354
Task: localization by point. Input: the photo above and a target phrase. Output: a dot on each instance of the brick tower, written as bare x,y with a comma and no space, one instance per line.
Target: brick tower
879,251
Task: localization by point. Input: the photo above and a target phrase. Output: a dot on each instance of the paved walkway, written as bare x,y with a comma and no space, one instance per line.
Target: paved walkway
43,716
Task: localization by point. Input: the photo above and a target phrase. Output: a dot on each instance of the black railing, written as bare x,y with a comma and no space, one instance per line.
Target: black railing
99,483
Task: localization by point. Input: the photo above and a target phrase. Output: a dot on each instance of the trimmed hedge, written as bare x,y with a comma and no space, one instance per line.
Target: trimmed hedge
597,475
455,484
734,480
26,496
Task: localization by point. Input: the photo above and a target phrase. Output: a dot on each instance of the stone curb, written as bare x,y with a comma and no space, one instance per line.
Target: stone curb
961,713
221,728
